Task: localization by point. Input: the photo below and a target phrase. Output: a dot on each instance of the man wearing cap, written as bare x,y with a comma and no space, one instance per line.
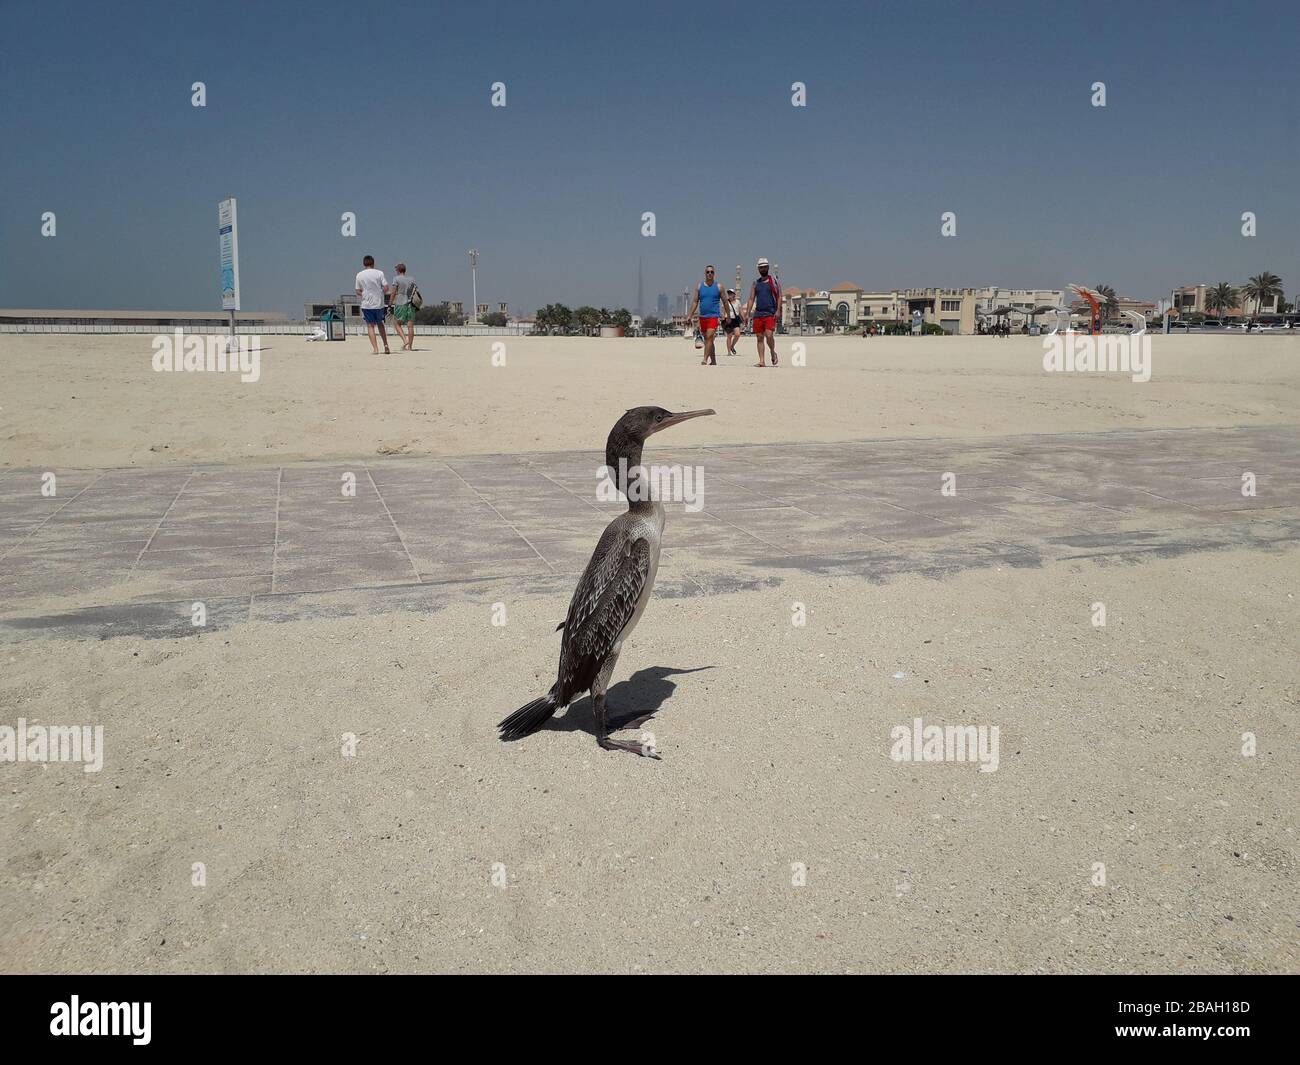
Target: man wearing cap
765,306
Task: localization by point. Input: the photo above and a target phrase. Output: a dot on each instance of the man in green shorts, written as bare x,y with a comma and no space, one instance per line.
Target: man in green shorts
403,310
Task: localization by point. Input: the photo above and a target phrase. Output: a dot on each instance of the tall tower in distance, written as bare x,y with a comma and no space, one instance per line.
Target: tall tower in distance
640,293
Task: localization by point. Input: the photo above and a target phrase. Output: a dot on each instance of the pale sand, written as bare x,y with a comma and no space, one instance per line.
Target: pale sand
1119,745
321,400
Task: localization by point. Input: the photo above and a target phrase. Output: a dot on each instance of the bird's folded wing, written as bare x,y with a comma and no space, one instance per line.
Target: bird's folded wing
602,605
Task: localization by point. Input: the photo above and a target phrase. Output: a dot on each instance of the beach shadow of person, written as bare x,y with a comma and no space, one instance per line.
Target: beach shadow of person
630,703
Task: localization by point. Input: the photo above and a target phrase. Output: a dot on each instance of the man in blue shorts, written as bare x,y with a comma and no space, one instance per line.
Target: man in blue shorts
371,285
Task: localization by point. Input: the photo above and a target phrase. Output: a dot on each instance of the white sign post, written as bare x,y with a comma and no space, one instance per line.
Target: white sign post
228,230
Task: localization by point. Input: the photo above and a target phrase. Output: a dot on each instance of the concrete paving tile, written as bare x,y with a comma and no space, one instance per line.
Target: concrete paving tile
211,536
870,508
325,543
69,556
108,530
188,565
325,574
145,587
427,555
506,568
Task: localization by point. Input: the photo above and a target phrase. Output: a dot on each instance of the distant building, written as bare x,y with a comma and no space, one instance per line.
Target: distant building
852,306
990,298
1190,299
879,308
951,309
348,305
843,300
661,305
800,307
1146,308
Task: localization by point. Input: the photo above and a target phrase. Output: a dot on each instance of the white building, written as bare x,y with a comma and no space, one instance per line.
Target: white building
990,298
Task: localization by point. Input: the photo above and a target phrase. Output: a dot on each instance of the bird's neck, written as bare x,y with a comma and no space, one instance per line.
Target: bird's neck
623,457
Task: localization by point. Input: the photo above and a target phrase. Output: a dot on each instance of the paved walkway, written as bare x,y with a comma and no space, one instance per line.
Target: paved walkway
129,551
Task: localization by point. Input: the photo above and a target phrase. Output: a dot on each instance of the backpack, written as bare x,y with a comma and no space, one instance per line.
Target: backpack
417,301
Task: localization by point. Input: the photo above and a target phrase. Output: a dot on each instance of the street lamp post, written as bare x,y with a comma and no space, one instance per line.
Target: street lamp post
473,270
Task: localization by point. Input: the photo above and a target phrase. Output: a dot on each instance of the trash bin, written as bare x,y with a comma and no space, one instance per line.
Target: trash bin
333,325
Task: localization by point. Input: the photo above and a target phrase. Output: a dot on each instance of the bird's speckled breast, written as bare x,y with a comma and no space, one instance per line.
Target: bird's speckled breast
651,526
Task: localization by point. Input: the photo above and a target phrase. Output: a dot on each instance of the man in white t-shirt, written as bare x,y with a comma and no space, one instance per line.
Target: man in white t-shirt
371,285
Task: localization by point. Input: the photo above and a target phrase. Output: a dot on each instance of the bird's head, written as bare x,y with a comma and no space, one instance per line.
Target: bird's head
631,430
641,422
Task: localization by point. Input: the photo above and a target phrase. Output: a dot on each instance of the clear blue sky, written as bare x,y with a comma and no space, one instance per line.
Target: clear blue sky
914,109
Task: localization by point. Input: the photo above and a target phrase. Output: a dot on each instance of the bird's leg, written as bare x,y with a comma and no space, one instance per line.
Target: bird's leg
602,733
602,721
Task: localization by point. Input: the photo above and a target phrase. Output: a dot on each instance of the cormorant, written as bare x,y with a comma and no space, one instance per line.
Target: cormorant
614,589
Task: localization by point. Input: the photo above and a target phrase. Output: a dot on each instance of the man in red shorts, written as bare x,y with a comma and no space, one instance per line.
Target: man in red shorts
765,304
708,298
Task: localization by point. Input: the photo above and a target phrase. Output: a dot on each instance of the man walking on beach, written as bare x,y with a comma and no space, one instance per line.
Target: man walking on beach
765,304
403,307
708,298
371,286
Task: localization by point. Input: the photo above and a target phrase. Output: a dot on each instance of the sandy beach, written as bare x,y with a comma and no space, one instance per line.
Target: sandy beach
1123,830
1119,746
94,401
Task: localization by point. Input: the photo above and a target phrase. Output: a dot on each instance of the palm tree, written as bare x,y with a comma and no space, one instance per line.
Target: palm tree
1108,300
1221,298
588,320
1262,288
554,317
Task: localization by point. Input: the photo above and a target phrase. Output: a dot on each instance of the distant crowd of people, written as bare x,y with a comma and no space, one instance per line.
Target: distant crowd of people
999,329
379,299
713,308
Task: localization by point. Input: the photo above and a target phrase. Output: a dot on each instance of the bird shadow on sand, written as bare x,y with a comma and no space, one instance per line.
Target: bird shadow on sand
629,703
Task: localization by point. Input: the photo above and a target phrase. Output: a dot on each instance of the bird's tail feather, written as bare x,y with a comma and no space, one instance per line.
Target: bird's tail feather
529,717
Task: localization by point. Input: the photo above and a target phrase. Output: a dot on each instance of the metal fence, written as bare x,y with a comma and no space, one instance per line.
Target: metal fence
356,328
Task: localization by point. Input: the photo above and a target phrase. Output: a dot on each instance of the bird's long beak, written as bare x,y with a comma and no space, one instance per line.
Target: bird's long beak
677,419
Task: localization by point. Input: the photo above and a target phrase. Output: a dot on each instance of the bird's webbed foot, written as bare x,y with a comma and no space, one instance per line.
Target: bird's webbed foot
645,750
